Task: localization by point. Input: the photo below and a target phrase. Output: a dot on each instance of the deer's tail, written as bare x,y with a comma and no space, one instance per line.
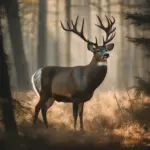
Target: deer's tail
36,81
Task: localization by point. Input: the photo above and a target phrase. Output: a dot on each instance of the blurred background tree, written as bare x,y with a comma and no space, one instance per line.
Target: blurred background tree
14,27
5,91
33,38
141,20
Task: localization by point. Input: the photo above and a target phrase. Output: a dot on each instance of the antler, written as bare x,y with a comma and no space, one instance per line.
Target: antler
79,33
109,30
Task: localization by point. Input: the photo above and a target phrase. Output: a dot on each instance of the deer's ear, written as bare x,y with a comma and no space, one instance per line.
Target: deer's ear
90,47
110,46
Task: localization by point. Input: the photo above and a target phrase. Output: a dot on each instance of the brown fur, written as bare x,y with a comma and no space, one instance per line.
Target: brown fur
75,84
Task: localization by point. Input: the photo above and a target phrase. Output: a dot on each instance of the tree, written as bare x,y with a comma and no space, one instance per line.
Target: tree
6,100
68,16
142,21
42,33
11,137
17,43
57,34
5,92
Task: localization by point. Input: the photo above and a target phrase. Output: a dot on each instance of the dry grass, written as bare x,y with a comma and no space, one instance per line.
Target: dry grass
133,133
100,112
104,123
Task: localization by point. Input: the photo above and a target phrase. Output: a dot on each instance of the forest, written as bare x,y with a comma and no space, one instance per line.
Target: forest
31,37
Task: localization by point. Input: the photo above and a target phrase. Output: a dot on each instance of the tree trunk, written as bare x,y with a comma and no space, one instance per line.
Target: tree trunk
42,33
5,93
57,59
121,60
108,7
17,44
68,16
11,138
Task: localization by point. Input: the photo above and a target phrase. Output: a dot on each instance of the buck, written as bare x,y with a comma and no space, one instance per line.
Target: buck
74,84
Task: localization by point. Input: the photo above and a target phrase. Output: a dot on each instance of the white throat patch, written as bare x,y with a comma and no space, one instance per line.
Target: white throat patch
101,63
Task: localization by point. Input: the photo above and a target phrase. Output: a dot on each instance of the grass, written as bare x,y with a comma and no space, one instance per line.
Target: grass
105,127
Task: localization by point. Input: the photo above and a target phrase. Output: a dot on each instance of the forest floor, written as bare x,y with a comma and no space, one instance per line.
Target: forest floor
129,137
99,133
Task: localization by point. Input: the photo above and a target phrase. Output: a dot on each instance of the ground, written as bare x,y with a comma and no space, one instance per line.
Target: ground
102,130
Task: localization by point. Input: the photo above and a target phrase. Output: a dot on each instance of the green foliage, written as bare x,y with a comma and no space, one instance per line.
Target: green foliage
142,87
140,41
138,19
141,20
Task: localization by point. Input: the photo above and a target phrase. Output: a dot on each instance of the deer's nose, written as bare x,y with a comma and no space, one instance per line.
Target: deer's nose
106,55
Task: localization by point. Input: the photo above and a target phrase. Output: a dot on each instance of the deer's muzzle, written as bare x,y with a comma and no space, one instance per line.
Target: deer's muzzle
106,55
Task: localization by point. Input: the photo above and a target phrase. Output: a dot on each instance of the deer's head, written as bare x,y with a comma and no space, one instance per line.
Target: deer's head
100,51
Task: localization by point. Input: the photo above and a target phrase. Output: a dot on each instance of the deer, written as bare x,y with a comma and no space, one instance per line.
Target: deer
75,84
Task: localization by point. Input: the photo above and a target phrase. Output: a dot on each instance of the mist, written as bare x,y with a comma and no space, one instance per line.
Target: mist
45,43
33,38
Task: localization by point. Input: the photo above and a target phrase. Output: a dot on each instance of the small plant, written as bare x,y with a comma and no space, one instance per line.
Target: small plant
142,87
21,103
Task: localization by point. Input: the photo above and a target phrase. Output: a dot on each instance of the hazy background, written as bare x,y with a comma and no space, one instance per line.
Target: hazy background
39,40
33,38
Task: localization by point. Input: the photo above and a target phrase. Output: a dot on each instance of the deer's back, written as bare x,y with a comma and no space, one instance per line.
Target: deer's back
59,80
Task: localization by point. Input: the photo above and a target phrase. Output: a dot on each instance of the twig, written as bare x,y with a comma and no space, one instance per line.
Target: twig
131,104
119,106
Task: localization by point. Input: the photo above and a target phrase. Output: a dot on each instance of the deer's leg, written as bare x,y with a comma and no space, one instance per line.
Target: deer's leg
75,113
37,110
44,111
81,106
47,105
43,99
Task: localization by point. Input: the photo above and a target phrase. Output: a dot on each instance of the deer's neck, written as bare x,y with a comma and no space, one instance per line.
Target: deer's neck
95,73
95,65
